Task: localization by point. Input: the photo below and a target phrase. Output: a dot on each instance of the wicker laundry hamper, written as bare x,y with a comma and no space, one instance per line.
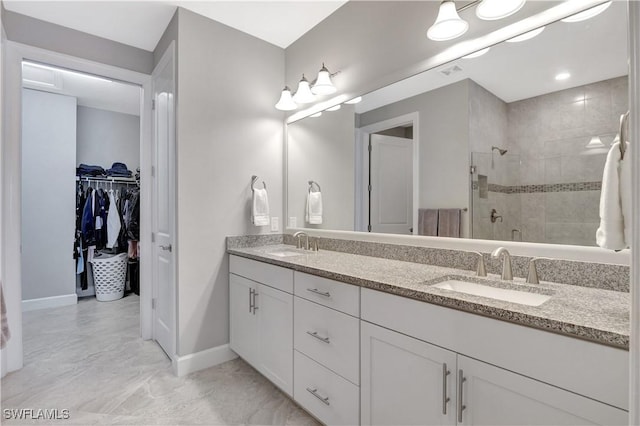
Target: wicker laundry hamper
109,276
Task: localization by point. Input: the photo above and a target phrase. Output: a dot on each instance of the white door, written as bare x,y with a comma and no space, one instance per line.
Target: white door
493,396
163,172
243,321
48,195
405,381
275,316
391,184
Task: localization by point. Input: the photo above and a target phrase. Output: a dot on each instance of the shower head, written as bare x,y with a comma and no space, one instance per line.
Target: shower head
501,151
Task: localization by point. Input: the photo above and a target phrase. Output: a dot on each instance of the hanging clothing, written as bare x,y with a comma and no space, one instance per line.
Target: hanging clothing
88,222
113,222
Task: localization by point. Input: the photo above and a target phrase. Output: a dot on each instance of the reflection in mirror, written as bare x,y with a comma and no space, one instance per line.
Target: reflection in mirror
508,145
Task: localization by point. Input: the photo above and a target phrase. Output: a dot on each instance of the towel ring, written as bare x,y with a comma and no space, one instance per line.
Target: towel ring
311,183
624,126
254,178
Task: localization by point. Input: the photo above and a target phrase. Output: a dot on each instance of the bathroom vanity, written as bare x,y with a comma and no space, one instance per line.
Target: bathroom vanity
366,340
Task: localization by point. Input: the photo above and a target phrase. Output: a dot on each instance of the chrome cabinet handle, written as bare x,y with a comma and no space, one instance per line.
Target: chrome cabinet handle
250,300
461,406
321,293
167,248
315,334
314,392
255,307
445,398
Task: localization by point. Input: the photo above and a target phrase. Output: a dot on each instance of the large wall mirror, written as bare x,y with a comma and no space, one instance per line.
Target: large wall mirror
505,144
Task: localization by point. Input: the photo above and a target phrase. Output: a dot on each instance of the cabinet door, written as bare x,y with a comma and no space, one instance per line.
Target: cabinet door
493,396
275,313
404,381
243,321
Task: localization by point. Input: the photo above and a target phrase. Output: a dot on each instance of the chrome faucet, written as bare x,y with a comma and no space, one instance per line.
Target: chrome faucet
299,242
481,270
507,272
532,276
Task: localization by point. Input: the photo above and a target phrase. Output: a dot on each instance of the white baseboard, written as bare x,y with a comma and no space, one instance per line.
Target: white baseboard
183,365
49,302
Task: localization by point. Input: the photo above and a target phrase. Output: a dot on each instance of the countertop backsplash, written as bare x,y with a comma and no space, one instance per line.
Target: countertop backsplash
585,274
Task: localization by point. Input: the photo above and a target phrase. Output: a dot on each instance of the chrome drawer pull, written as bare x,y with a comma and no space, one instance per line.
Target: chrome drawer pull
445,398
315,334
461,406
321,293
314,392
250,300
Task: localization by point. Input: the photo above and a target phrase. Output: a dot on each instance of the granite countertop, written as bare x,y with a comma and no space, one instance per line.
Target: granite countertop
601,316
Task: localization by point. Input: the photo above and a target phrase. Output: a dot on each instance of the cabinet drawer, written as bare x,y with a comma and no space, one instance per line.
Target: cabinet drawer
329,337
273,276
334,294
329,397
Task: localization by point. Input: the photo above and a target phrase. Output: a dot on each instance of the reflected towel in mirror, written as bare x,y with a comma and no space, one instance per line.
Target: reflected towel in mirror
449,223
428,222
313,212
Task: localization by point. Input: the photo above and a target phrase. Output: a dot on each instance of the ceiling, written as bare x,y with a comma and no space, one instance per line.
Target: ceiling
142,23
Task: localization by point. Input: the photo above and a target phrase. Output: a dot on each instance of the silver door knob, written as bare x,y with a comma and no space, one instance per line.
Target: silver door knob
167,248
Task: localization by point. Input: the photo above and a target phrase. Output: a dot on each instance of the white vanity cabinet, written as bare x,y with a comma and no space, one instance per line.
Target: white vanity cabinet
261,318
327,349
405,381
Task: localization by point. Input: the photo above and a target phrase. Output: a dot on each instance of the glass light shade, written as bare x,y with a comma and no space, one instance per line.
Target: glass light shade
316,115
587,14
334,108
526,36
354,100
448,24
476,54
303,94
490,10
286,102
323,84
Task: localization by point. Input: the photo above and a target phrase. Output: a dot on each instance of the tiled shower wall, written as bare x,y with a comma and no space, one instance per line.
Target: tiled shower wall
555,191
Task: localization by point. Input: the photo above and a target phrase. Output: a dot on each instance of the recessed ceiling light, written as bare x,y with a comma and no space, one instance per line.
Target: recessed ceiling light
587,14
334,108
316,115
354,100
526,36
563,76
476,54
490,10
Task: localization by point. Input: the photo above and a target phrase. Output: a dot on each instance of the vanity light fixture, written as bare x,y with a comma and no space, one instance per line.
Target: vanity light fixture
526,36
303,95
587,14
323,84
476,54
448,24
562,76
286,102
354,100
491,10
334,108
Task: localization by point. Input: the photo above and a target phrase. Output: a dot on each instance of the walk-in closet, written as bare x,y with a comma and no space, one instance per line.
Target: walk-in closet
80,189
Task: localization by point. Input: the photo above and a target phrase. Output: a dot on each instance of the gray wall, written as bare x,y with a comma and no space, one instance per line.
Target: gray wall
105,137
443,143
34,32
322,149
228,130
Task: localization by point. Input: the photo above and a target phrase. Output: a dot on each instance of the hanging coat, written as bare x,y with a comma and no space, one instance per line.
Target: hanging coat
88,221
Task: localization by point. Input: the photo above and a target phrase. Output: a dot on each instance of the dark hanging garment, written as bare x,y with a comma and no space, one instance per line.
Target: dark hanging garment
133,229
101,209
88,222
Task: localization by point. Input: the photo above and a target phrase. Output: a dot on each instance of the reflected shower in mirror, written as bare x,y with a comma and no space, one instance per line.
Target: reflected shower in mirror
513,142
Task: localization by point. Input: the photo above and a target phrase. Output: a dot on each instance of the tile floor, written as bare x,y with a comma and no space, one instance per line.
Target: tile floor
89,359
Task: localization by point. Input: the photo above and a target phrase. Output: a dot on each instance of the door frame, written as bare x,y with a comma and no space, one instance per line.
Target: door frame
362,166
11,196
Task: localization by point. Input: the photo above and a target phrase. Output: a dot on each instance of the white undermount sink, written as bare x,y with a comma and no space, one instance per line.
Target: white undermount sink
286,253
475,289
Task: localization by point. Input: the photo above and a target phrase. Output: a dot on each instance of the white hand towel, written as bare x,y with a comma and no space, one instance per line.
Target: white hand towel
615,202
313,213
113,222
260,208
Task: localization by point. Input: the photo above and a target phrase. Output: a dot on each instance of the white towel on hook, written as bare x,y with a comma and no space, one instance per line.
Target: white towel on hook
260,208
313,213
614,232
